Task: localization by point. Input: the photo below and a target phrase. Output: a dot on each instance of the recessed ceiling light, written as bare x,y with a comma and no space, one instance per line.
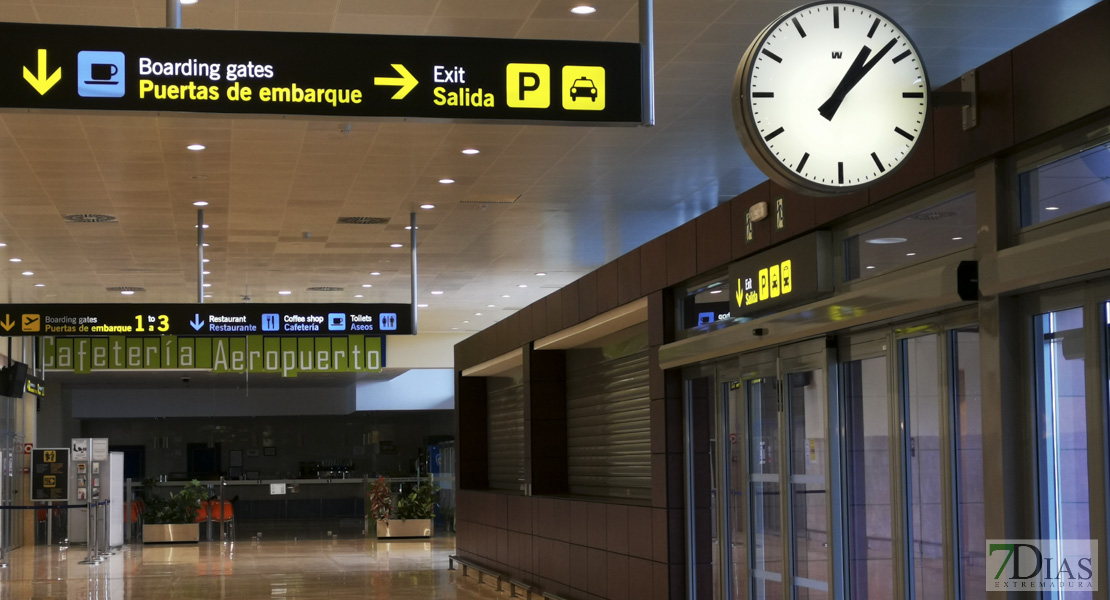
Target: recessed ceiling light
470,151
127,292
358,295
454,329
583,10
205,259
188,1
200,203
396,245
40,285
447,180
205,226
541,274
870,266
911,254
886,240
523,285
375,273
208,295
208,285
477,314
195,147
427,206
957,238
284,293
466,321
504,295
1052,208
15,260
205,244
421,306
28,272
409,228
3,245
366,285
491,306
206,272
437,292
715,291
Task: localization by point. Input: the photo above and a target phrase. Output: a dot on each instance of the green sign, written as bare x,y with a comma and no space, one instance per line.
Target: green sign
250,354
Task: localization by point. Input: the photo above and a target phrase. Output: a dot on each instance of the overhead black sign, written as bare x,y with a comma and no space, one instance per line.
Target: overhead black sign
205,319
787,275
114,68
49,474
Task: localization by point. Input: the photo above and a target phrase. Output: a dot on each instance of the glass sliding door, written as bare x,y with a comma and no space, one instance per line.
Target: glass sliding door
765,510
870,543
967,428
923,463
1061,403
736,518
809,502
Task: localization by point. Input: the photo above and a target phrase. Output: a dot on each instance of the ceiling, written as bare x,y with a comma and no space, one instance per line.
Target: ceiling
276,187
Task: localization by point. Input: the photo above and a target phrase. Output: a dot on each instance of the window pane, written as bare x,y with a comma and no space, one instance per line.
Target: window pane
805,395
737,483
871,566
922,401
968,426
766,513
934,231
1068,185
1062,420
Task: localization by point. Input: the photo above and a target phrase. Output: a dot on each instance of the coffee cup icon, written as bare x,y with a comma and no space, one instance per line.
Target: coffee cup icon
102,73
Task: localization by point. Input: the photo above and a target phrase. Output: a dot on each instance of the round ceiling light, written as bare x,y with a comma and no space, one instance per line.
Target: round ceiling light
427,206
886,240
396,245
200,203
195,147
447,180
583,10
470,151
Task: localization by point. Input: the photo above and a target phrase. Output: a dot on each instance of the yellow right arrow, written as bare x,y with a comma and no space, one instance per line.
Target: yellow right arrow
41,82
7,323
406,81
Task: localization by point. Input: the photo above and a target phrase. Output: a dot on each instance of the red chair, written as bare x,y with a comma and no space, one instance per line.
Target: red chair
224,513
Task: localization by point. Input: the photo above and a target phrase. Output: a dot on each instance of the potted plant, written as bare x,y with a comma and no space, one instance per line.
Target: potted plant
173,518
413,514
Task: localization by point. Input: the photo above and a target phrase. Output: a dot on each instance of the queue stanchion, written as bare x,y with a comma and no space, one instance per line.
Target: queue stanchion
223,515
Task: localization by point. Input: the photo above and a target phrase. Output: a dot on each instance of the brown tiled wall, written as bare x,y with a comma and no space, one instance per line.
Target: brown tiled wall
597,550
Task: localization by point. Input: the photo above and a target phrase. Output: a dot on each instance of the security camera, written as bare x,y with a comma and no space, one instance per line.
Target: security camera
185,380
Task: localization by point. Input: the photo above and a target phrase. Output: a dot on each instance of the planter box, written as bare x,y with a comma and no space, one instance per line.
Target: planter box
171,534
409,528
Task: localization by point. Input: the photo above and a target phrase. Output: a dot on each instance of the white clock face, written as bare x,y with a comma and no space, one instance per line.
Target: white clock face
832,97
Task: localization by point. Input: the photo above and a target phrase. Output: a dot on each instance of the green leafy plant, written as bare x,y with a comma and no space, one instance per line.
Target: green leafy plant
420,503
177,508
380,499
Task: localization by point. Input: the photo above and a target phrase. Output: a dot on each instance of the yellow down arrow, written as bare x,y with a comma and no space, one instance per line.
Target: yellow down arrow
7,323
41,82
406,81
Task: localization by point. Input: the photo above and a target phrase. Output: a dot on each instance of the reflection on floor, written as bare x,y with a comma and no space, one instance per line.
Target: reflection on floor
337,568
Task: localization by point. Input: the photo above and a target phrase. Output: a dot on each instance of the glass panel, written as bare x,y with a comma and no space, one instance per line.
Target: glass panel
934,231
765,510
704,304
870,554
737,530
968,425
1068,185
805,396
922,401
1062,420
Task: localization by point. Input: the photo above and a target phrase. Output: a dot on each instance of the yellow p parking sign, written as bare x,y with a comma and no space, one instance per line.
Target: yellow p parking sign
528,85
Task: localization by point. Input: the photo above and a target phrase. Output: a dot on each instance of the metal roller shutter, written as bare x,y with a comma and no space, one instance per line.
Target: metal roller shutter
505,399
608,421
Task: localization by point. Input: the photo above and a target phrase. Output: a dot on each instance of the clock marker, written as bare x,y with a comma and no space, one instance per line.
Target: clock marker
772,55
763,94
802,163
913,94
840,172
878,163
874,26
899,58
774,133
836,19
902,133
801,31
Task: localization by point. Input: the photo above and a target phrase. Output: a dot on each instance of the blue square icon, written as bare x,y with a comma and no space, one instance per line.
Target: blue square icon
337,322
387,321
706,318
100,74
271,322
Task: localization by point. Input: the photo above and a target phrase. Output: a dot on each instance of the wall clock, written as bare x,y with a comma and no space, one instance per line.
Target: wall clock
830,98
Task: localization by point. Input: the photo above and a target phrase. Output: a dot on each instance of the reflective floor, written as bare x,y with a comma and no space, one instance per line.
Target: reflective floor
361,568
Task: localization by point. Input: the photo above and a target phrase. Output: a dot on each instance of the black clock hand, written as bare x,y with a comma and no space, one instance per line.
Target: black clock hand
855,73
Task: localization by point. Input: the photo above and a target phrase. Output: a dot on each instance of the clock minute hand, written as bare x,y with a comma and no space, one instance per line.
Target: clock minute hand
855,73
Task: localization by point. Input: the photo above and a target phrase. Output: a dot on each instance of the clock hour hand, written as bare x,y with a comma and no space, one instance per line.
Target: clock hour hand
855,73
